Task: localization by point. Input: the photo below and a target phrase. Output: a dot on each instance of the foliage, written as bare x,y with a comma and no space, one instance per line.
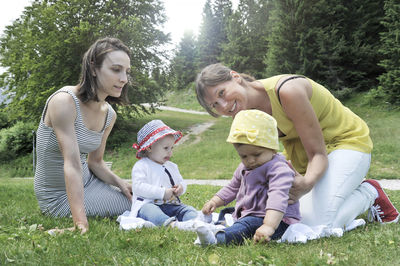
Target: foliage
42,50
389,82
24,240
248,34
183,66
212,31
335,43
16,140
3,119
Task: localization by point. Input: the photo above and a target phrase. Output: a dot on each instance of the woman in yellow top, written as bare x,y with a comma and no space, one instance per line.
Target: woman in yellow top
326,142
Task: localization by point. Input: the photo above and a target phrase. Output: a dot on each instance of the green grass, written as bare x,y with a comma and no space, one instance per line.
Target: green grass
183,99
24,241
213,158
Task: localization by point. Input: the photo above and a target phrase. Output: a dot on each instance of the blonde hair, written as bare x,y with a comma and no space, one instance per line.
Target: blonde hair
213,75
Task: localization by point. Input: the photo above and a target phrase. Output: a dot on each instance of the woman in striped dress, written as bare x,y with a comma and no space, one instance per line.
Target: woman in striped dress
71,177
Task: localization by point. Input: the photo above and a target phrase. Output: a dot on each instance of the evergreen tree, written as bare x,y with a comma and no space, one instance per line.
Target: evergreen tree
248,37
183,66
389,82
212,31
335,43
42,50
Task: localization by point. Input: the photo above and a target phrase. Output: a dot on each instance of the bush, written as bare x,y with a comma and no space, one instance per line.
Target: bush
16,140
3,119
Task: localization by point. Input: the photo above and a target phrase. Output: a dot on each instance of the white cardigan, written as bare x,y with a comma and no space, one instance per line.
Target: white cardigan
149,181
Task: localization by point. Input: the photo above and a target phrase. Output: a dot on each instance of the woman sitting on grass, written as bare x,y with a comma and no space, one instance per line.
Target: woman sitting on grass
326,142
71,177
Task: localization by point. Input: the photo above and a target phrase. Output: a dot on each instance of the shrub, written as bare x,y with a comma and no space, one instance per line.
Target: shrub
16,140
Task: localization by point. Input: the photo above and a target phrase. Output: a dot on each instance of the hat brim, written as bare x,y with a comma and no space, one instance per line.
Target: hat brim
176,134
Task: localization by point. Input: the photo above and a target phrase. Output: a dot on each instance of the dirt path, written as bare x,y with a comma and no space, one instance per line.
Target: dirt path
196,130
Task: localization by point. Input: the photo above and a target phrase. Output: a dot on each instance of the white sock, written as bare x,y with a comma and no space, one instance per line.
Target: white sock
185,226
205,234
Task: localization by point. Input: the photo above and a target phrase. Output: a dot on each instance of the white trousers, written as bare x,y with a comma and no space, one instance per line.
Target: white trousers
339,197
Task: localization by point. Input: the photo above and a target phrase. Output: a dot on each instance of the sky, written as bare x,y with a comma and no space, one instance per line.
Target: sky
182,15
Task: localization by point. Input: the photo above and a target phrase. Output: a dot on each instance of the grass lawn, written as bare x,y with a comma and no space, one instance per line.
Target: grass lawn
24,241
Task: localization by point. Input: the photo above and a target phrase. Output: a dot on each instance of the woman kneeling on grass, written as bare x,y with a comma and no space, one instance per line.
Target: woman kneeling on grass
326,142
71,176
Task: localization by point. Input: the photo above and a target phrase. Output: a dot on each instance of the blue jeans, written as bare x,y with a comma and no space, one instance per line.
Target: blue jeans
158,214
246,228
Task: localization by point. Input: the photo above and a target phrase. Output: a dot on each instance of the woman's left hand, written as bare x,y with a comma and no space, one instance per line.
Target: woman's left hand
299,187
126,188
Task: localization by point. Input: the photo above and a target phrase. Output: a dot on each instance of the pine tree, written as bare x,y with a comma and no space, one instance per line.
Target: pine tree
212,31
389,82
334,43
183,66
247,33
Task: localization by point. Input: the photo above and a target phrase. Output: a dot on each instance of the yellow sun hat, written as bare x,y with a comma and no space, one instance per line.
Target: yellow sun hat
254,127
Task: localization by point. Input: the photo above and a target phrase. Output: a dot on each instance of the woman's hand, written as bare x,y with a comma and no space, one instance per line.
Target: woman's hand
83,227
299,188
125,188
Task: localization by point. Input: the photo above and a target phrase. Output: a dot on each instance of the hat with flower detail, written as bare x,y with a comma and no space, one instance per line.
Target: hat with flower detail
150,133
254,127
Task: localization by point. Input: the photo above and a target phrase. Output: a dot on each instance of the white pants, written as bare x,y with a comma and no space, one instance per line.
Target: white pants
339,197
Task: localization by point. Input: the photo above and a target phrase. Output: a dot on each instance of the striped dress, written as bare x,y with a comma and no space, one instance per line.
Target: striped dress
100,199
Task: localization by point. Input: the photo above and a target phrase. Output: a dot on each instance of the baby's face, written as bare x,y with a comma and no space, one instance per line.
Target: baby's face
161,151
253,156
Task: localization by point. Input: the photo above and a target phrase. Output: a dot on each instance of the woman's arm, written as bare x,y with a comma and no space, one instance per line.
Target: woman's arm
61,115
99,168
295,98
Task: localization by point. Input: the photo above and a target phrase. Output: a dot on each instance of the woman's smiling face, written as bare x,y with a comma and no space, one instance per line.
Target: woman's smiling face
229,97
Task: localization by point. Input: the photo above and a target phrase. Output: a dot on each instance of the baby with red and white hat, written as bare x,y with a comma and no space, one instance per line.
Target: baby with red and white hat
156,181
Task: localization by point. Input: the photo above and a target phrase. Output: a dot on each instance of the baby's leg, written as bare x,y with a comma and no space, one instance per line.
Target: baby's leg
242,229
152,212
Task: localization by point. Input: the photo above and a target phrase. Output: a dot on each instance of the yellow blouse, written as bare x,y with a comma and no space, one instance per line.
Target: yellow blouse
341,128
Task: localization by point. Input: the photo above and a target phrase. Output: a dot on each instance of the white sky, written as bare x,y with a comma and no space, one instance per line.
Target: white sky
182,15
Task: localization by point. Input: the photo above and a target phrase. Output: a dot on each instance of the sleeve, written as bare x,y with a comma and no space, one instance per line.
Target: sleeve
280,177
228,193
142,183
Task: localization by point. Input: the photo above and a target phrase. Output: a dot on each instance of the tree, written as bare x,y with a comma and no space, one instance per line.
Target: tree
247,34
212,31
42,50
335,43
389,82
183,66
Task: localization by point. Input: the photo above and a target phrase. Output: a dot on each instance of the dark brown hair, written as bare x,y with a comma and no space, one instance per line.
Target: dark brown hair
92,59
213,75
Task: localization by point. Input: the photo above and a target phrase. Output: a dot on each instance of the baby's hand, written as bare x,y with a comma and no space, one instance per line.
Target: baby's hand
178,190
168,193
209,207
263,233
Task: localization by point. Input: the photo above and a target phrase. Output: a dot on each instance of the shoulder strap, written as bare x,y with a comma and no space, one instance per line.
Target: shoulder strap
110,115
78,110
279,88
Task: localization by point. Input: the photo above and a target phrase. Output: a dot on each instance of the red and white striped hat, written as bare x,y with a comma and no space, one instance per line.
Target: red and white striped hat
150,133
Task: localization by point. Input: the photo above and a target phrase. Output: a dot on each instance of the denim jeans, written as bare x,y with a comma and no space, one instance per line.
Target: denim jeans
158,214
246,227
